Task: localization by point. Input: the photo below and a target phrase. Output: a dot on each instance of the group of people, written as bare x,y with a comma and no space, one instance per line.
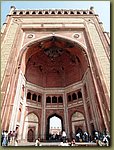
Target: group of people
65,141
101,139
9,138
54,137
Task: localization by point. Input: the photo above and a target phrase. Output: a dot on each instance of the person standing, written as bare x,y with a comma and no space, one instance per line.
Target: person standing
2,137
5,139
37,143
16,143
64,136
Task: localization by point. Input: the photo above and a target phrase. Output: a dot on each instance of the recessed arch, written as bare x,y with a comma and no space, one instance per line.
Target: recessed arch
31,127
31,117
77,122
74,53
34,41
77,116
65,44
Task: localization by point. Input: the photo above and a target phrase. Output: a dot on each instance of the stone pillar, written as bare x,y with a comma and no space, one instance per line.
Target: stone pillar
92,101
66,114
86,111
43,123
102,61
100,102
16,103
6,48
20,136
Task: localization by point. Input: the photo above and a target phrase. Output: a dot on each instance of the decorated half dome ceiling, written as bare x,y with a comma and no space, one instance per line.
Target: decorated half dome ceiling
54,62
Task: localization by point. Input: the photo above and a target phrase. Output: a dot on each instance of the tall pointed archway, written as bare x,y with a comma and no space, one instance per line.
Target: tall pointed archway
51,65
48,133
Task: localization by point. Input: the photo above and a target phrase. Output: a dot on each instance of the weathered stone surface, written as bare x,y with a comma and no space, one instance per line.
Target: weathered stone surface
7,46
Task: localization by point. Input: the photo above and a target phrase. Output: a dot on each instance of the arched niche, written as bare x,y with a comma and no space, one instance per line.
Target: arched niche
77,121
31,127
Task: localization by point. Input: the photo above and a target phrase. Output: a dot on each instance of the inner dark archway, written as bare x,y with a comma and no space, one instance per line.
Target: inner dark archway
51,136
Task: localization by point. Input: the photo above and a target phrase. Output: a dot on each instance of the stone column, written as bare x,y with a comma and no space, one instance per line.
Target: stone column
43,124
66,114
91,99
102,61
20,136
100,101
13,120
86,111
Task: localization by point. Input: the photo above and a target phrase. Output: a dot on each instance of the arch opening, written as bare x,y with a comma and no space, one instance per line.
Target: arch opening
54,127
53,62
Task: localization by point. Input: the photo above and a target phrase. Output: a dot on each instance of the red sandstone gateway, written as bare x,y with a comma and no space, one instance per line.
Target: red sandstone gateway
54,63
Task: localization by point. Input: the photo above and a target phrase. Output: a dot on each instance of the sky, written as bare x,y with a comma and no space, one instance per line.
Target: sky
57,124
102,8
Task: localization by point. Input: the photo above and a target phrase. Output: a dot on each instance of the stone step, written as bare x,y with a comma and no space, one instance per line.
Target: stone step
54,144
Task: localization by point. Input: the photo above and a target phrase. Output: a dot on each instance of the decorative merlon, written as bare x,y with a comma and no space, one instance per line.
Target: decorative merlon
14,11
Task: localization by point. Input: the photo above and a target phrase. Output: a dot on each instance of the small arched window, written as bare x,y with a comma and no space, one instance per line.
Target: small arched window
34,96
39,98
54,99
60,99
79,94
74,97
48,99
69,98
28,95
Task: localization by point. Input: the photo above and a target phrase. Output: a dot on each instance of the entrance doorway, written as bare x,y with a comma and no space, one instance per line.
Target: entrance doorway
78,122
54,127
30,136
